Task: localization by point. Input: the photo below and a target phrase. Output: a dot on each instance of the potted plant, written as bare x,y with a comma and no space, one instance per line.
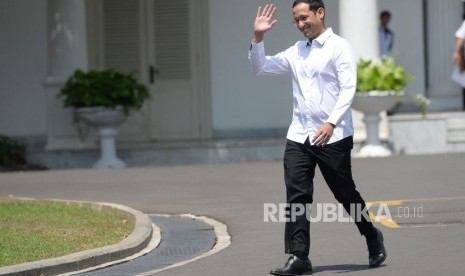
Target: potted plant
105,88
384,75
380,86
103,98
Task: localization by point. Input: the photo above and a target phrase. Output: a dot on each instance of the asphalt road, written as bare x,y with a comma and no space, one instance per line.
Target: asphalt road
426,197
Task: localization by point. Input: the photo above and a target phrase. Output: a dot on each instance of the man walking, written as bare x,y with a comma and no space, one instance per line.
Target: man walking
323,71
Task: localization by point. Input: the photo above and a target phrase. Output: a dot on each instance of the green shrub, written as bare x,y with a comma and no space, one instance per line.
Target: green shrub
11,153
385,75
106,88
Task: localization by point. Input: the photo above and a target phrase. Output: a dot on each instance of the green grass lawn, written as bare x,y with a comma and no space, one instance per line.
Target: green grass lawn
31,231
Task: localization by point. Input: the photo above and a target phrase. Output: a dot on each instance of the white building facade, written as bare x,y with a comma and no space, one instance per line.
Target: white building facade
192,54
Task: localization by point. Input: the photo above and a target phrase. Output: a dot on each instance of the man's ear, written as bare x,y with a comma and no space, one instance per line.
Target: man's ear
321,13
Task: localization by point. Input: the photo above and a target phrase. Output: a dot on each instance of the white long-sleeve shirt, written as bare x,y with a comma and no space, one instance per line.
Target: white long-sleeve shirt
460,33
386,40
323,83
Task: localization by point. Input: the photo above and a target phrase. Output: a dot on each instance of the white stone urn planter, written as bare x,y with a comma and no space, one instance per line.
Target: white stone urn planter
372,104
106,120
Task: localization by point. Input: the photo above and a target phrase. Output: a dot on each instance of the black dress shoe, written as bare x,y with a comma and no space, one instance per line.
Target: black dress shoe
376,251
294,266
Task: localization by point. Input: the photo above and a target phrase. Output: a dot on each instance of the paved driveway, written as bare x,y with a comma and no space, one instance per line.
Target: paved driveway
429,241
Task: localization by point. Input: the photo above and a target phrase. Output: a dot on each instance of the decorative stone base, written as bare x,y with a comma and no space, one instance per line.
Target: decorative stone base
435,133
373,151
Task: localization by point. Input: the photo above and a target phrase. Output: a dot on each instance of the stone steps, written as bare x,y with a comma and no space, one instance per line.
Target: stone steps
436,133
456,129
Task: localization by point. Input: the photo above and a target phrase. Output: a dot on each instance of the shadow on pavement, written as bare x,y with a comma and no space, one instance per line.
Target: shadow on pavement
342,268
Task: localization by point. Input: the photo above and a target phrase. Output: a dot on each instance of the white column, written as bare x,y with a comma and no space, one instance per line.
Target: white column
444,18
358,23
66,38
67,51
358,20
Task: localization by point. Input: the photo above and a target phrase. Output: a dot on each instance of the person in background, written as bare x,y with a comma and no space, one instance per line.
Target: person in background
458,57
386,36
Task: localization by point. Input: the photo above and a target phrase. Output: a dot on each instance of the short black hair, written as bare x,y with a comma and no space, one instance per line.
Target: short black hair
313,4
385,13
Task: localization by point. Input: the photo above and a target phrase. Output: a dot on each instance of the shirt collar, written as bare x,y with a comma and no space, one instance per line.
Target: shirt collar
323,37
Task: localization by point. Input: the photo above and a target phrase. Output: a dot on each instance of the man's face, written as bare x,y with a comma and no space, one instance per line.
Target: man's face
385,20
308,22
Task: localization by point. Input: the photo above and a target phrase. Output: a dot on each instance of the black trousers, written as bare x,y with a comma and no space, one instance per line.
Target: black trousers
334,161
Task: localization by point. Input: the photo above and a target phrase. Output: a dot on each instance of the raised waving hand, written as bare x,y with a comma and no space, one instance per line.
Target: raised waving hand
264,21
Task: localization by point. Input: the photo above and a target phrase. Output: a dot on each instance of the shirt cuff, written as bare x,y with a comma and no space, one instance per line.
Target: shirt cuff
333,120
257,47
333,125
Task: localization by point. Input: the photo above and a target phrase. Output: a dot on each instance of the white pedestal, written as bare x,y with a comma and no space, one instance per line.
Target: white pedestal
373,146
108,158
372,106
106,120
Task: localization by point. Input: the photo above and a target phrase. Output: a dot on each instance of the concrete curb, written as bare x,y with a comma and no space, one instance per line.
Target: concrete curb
134,243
